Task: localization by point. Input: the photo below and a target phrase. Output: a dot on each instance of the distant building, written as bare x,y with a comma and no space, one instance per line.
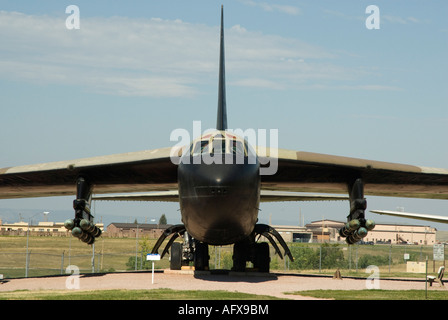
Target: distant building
42,228
120,230
294,233
328,231
396,233
325,230
316,231
129,230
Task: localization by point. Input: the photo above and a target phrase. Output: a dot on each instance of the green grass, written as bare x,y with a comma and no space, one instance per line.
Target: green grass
50,255
155,294
169,294
374,294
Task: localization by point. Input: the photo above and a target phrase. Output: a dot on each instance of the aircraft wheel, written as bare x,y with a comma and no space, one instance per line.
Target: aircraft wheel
201,257
240,254
262,257
176,256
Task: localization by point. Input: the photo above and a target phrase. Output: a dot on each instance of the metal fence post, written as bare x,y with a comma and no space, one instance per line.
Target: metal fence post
390,256
426,278
349,257
320,258
93,257
62,262
27,262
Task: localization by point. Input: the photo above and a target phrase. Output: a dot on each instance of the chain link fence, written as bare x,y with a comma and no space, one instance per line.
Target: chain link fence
46,256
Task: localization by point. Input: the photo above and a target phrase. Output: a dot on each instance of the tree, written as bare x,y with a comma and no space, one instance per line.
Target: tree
163,220
142,263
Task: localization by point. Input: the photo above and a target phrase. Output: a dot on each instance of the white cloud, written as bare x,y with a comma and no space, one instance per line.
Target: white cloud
412,19
258,83
399,20
155,57
288,9
291,10
111,55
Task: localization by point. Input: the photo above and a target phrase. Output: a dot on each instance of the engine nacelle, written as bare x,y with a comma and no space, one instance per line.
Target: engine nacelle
84,230
356,229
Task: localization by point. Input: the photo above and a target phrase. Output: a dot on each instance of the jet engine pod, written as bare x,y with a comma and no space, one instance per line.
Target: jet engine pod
345,231
86,231
362,232
370,224
356,236
354,224
69,224
96,231
86,225
356,229
349,227
76,232
83,236
87,238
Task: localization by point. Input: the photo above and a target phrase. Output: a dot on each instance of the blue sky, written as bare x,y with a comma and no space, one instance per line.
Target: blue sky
137,70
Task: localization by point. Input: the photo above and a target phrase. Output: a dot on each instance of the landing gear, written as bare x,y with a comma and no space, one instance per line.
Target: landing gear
257,253
262,257
357,226
249,250
192,251
176,256
185,253
241,253
201,256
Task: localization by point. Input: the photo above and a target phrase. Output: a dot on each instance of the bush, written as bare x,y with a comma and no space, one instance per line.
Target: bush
332,256
303,257
142,264
367,260
328,256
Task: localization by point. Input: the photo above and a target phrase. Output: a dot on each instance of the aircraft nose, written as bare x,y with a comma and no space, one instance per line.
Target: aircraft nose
219,202
224,180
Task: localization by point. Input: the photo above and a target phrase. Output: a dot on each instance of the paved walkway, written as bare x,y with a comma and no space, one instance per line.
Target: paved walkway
272,285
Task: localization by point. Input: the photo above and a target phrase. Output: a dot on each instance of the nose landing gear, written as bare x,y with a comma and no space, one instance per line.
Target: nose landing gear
194,251
182,254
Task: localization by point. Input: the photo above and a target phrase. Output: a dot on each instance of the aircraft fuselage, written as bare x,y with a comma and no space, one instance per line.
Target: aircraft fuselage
219,201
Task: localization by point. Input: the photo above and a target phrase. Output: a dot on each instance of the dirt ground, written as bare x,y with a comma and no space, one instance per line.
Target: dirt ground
272,284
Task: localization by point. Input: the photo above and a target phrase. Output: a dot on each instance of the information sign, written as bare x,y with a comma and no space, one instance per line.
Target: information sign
153,256
439,251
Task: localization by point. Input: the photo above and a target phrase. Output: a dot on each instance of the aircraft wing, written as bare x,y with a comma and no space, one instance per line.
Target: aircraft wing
279,196
312,172
150,170
162,196
265,196
419,216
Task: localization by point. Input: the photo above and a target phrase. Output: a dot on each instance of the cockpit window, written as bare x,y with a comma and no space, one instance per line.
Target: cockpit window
218,145
237,147
201,147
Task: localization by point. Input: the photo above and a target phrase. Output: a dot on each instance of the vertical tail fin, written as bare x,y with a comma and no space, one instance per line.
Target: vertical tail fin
221,123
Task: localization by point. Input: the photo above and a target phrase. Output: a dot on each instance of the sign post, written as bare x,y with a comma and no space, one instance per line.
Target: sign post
153,257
